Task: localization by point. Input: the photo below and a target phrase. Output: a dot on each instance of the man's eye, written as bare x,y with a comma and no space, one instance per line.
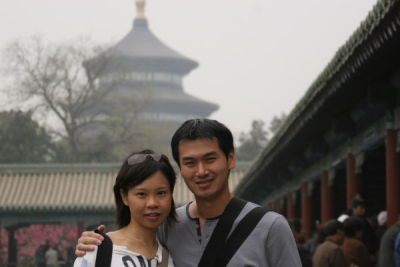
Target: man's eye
211,159
188,163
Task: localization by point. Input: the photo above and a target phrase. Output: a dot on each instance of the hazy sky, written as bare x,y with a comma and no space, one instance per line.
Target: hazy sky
257,57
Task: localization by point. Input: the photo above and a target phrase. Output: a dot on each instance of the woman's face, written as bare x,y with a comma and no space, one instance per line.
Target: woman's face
149,202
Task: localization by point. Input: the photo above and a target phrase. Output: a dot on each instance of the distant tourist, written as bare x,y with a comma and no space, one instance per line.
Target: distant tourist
329,253
305,255
386,248
354,250
359,209
51,256
40,255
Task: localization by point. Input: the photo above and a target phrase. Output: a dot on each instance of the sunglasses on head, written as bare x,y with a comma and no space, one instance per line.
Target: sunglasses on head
138,158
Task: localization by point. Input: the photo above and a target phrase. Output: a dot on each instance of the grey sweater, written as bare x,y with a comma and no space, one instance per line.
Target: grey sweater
271,244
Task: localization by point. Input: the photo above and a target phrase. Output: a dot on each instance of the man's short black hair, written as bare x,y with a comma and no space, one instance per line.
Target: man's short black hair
352,225
332,226
202,128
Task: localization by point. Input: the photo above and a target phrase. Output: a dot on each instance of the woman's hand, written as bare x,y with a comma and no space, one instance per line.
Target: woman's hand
88,241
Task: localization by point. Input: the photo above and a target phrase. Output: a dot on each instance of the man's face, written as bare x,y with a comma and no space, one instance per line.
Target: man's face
204,167
359,211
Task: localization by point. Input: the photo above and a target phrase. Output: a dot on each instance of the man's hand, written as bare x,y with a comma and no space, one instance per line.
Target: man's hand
88,241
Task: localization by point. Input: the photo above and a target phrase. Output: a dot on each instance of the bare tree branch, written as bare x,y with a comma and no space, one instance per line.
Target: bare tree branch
54,78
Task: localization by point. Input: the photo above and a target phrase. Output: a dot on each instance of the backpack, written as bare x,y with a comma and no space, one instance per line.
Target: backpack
227,247
104,253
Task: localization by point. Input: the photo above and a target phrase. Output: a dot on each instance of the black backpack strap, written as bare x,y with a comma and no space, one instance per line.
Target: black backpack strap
239,235
104,251
221,232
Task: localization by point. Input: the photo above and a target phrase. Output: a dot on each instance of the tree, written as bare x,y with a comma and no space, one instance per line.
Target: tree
276,123
52,79
23,140
252,143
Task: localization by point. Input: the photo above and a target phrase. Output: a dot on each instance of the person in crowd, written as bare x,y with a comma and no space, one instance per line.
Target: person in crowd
354,250
359,209
329,253
381,219
305,255
381,228
40,255
397,250
51,256
143,196
317,240
204,152
66,254
387,246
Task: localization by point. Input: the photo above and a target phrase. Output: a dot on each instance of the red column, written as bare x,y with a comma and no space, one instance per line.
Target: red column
306,210
290,208
326,198
278,208
392,178
353,183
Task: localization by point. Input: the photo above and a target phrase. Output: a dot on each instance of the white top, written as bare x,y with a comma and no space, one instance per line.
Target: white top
123,257
51,256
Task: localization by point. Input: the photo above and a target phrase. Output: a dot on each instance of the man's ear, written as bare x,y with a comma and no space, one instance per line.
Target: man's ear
124,197
232,160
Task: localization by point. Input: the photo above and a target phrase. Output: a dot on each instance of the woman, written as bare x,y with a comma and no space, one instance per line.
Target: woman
143,196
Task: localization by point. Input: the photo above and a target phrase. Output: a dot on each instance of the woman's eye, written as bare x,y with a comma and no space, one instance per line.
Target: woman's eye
162,193
141,194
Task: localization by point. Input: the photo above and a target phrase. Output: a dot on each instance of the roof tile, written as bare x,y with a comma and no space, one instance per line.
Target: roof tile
50,188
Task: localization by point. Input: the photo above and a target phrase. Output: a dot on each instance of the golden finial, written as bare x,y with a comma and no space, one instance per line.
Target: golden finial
140,4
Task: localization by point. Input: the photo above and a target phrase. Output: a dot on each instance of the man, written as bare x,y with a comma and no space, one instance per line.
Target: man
51,256
204,152
329,253
304,252
354,250
359,210
397,250
387,246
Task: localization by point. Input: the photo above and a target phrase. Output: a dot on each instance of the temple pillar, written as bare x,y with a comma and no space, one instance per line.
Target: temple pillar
278,207
306,209
353,181
290,207
392,178
12,246
327,211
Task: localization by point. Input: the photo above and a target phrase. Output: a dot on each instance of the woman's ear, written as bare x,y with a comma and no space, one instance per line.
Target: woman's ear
124,197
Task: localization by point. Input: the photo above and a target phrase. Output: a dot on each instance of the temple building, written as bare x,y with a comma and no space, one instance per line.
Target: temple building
145,76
